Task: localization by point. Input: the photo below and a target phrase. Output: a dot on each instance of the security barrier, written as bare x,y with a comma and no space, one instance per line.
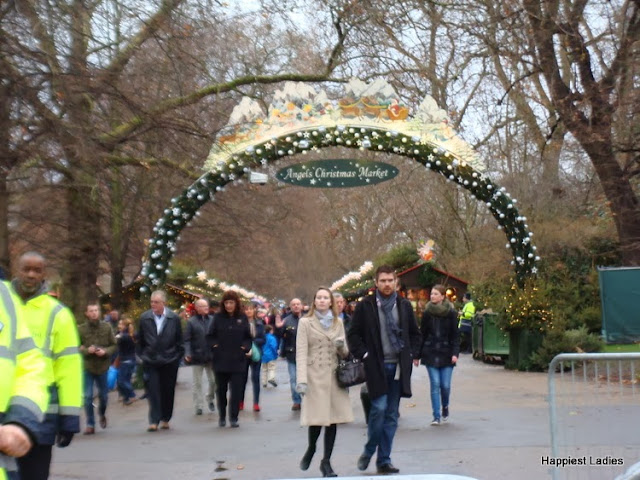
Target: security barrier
594,412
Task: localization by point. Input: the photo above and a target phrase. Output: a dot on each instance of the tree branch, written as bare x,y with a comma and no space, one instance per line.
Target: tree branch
146,32
123,131
121,160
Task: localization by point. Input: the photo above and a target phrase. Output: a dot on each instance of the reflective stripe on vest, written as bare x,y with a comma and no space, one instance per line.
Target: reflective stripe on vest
28,404
11,310
74,411
8,463
6,352
46,348
24,345
66,351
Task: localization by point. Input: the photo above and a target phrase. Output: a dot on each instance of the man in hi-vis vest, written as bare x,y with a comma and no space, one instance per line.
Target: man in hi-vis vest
54,331
23,386
465,324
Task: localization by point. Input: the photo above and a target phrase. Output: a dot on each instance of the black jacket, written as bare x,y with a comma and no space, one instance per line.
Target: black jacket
289,334
195,340
346,321
230,340
440,339
163,349
364,337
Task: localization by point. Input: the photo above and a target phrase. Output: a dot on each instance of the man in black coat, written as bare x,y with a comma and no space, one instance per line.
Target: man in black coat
161,348
288,348
384,334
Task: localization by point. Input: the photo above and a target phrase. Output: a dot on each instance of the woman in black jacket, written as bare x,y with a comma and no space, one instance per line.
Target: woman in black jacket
230,340
440,349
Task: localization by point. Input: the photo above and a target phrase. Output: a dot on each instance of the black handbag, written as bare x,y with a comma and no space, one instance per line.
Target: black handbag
350,372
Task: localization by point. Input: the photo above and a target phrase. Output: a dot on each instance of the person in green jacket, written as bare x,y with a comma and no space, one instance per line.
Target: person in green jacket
97,345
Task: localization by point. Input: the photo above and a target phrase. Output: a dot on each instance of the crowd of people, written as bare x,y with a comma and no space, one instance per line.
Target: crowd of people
54,368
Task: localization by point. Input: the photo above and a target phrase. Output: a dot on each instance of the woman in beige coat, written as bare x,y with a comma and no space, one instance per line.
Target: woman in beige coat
320,340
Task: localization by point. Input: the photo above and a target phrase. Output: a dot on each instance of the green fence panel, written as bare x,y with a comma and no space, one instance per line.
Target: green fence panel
620,300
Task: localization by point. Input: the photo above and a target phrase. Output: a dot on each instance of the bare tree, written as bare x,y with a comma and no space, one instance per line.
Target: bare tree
80,69
584,53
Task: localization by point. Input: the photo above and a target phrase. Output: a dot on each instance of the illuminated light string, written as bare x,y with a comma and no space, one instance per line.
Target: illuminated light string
212,283
251,143
185,208
364,269
527,309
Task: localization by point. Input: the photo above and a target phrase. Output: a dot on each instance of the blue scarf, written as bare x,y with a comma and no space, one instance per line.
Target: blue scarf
394,332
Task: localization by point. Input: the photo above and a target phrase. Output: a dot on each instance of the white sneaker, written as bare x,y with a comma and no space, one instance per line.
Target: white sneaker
435,422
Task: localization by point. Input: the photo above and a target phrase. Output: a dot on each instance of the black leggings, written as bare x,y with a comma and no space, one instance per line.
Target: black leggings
329,438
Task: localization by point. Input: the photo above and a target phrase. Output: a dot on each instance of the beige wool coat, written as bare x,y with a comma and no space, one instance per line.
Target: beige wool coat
325,402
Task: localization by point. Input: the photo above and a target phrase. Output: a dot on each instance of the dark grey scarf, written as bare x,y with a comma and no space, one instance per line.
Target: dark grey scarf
393,329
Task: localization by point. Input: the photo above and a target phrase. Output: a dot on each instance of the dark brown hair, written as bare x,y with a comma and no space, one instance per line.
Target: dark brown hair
231,295
385,269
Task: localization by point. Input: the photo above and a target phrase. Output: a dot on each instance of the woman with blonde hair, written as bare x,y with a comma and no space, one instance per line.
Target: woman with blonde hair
319,343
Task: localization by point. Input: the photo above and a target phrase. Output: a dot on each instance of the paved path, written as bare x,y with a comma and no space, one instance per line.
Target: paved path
499,429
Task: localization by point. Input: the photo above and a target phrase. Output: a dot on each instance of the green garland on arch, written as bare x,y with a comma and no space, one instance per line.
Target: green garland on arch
184,208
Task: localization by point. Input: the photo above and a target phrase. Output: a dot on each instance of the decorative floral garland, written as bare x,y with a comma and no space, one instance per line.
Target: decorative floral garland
425,250
213,283
427,139
363,270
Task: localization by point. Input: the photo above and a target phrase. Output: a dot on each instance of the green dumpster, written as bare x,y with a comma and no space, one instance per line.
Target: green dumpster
476,336
489,342
495,342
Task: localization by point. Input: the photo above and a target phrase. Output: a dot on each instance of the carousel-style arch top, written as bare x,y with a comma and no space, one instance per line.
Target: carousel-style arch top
298,106
368,117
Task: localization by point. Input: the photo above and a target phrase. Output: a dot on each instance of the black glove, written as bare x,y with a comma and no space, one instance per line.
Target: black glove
63,439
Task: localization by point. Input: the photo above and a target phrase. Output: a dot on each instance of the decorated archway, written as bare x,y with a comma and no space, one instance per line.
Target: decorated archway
368,117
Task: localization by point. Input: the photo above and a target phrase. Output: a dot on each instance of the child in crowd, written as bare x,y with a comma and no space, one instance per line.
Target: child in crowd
269,356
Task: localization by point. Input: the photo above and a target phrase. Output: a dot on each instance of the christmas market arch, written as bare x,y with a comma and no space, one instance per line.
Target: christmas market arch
301,120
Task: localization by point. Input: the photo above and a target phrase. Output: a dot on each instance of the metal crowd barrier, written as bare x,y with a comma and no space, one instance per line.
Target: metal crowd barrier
594,412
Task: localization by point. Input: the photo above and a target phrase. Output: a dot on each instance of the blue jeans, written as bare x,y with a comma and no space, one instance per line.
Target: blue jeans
440,380
295,396
124,379
103,391
383,419
255,381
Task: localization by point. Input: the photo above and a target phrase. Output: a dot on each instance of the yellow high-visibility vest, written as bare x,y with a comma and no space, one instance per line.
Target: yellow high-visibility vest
23,376
468,312
54,331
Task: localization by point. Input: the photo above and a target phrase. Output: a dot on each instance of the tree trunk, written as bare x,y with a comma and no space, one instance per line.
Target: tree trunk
83,253
622,200
117,252
4,228
5,167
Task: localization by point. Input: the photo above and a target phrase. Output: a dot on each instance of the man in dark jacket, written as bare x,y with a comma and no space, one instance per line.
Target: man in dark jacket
384,334
288,349
97,345
161,348
197,354
344,316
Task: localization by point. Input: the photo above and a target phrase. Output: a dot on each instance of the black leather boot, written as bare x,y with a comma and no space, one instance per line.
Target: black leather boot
306,459
325,468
